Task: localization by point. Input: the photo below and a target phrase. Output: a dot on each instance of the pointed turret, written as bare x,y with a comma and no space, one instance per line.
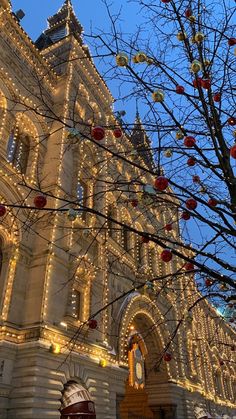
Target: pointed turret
141,141
60,25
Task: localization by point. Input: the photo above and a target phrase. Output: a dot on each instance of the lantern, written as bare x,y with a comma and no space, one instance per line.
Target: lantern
185,216
196,66
189,266
217,97
40,201
191,204
103,363
197,82
179,135
233,151
2,210
232,121
189,141
191,161
168,227
122,60
161,183
117,133
181,36
206,83
199,37
196,179
179,90
158,96
98,133
167,357
92,323
212,202
166,255
231,42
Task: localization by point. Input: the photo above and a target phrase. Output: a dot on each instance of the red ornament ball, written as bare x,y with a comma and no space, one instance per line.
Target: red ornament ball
196,179
92,324
40,201
166,255
206,83
167,357
189,141
233,151
232,348
98,133
212,202
189,266
185,216
188,13
168,227
165,1
161,183
3,210
180,90
221,362
217,97
197,82
145,239
191,161
231,42
134,203
117,133
191,204
208,282
232,121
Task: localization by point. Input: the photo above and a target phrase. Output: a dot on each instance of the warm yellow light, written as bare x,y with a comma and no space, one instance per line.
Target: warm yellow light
103,363
55,348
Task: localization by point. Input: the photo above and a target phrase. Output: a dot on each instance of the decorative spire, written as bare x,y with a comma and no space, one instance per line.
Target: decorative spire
60,25
141,141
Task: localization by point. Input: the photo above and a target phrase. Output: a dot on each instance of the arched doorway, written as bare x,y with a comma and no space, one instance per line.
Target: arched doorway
76,402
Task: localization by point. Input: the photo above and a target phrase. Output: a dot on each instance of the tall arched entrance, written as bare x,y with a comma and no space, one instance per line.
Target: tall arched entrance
76,402
148,393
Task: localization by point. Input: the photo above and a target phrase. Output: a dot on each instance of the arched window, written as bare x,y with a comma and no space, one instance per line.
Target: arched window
18,150
111,225
126,238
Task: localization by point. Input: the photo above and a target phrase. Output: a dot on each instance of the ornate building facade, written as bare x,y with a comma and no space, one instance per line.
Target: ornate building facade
59,270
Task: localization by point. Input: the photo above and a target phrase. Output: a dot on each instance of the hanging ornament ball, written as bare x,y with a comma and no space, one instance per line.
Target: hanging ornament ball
192,20
185,216
98,133
191,204
92,324
117,133
188,13
232,121
145,239
206,83
189,141
217,97
166,255
134,59
72,214
168,227
199,37
165,1
141,57
168,153
181,36
40,201
196,179
212,202
207,62
179,135
3,210
191,161
231,42
179,90
122,59
221,362
161,183
233,151
167,357
158,96
232,348
134,203
196,66
197,82
208,282
189,266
